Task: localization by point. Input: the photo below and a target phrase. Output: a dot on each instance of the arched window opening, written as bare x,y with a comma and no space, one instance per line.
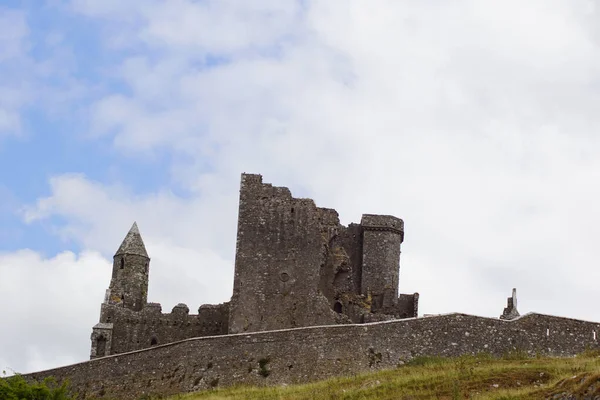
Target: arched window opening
146,268
153,342
122,263
108,319
337,307
100,346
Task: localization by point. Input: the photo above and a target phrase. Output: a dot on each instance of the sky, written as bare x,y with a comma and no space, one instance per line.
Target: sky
473,121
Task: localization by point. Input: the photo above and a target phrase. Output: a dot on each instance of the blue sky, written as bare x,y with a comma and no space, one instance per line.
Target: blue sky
53,142
475,123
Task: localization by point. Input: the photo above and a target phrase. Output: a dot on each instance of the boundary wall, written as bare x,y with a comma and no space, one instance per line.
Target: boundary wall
313,353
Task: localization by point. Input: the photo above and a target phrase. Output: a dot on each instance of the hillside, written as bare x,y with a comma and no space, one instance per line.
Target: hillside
480,377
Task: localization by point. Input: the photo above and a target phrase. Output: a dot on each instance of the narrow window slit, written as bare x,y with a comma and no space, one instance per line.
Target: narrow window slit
101,346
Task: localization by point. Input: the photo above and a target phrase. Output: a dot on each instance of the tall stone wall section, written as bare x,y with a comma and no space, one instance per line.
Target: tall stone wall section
279,252
314,353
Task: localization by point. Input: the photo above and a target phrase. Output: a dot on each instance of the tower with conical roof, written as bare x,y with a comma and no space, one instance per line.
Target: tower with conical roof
129,282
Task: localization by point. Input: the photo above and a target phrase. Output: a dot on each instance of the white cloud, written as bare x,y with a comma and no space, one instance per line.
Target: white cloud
54,302
51,305
472,122
98,216
187,240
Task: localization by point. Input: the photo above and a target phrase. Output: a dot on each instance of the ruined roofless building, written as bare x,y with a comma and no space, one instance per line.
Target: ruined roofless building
295,266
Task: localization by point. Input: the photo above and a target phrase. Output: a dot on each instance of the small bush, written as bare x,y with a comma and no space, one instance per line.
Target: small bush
17,388
262,364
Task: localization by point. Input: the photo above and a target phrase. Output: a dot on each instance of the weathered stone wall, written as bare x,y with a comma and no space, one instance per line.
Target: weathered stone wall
296,265
408,305
126,330
382,237
280,249
341,270
129,283
308,354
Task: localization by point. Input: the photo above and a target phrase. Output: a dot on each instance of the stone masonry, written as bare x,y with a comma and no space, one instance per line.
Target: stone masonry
295,266
510,312
308,354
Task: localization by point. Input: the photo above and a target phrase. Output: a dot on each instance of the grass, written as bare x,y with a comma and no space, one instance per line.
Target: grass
514,376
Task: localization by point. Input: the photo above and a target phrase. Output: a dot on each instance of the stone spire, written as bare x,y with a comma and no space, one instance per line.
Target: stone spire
133,243
510,312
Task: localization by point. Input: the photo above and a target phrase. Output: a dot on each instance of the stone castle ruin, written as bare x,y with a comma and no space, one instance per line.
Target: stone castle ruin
311,299
510,312
295,266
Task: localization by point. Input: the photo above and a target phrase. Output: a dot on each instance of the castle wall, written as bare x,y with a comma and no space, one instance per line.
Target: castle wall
309,354
131,330
281,247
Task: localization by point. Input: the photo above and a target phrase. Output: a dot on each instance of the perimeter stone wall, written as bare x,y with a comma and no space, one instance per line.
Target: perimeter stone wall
314,353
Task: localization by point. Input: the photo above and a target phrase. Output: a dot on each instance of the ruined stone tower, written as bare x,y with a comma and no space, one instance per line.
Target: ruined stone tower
280,249
296,265
129,283
510,311
382,237
128,289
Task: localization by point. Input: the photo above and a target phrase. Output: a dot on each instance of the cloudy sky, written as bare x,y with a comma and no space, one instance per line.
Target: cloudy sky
474,121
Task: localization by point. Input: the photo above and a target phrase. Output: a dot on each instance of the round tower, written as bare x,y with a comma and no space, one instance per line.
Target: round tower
129,283
382,237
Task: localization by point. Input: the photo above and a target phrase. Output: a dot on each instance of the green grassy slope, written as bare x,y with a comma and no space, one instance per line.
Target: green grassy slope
480,377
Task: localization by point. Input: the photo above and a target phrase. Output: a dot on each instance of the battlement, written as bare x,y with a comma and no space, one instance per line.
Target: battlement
251,179
388,223
152,308
122,330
